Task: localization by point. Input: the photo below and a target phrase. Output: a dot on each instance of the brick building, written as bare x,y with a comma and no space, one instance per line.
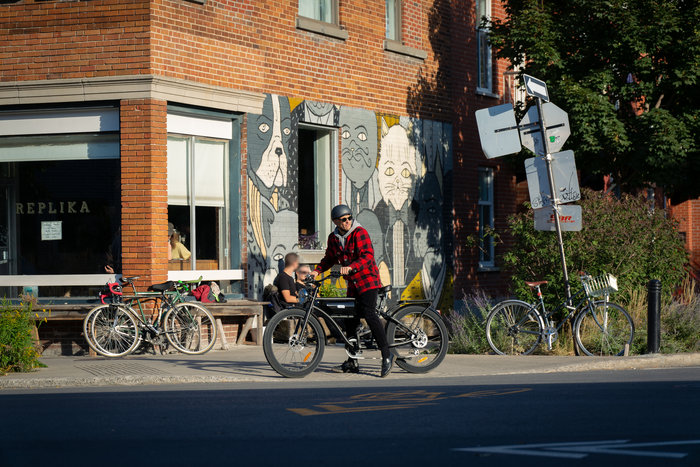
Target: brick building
242,122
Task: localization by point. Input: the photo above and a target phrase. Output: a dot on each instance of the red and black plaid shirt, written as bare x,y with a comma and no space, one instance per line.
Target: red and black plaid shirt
358,254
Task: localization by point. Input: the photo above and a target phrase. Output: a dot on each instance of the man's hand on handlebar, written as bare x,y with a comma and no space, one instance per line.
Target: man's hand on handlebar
314,274
345,270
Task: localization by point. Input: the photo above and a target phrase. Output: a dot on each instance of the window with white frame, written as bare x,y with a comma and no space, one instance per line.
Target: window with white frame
320,10
198,192
393,20
486,207
483,48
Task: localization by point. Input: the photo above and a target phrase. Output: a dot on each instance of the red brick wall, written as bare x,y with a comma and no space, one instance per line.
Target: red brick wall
254,45
688,216
144,190
69,39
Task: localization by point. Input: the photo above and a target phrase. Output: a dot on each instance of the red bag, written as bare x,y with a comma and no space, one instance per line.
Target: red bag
201,293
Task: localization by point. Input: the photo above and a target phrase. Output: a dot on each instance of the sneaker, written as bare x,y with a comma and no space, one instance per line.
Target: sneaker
349,366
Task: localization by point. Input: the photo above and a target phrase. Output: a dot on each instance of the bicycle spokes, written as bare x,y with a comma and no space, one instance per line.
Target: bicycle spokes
514,328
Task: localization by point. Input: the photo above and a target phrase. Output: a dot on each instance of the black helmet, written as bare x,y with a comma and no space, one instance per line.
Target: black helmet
340,211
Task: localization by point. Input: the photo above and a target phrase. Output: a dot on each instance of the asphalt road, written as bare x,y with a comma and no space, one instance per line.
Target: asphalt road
596,418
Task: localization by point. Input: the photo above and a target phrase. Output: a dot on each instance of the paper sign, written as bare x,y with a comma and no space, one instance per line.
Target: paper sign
569,218
52,230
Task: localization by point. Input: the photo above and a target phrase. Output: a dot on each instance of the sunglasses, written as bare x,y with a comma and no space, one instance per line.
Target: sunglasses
345,219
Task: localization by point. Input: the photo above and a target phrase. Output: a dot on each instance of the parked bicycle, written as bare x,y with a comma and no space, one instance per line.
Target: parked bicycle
294,340
515,327
116,329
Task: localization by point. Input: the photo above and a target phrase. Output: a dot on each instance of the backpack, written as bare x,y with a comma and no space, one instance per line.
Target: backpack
202,294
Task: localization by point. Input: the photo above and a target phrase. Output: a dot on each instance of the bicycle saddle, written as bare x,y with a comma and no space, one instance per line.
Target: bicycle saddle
535,283
384,290
161,287
129,280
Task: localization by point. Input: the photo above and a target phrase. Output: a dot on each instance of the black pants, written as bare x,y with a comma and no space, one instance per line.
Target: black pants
366,307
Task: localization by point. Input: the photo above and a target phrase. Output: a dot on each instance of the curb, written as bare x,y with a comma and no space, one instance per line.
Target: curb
656,361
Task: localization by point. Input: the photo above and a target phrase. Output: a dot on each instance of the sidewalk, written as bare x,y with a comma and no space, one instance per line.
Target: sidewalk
247,364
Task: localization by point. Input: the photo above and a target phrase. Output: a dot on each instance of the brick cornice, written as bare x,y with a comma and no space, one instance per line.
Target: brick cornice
129,87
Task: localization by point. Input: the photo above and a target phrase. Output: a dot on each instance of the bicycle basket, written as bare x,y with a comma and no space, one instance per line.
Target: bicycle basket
599,286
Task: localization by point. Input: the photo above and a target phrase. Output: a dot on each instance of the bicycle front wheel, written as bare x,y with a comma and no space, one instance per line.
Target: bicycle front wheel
292,349
112,330
190,328
514,328
419,339
603,329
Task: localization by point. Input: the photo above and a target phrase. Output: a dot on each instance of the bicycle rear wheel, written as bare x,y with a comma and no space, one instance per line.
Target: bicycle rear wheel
190,328
112,330
420,341
603,329
514,328
292,349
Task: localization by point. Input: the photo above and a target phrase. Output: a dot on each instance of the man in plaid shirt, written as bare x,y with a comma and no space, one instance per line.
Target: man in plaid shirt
349,246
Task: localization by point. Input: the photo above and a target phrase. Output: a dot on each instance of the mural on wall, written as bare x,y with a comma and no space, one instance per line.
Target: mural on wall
395,177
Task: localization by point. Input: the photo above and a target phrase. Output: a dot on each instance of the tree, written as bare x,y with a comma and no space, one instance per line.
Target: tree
627,73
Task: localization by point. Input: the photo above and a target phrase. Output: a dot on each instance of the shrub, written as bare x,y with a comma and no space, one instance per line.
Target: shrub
18,351
330,290
620,236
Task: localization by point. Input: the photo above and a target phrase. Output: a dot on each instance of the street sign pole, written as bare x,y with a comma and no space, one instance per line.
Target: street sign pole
555,200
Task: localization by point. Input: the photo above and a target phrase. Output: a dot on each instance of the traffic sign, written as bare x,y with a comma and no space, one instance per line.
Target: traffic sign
536,87
557,124
569,218
498,131
565,179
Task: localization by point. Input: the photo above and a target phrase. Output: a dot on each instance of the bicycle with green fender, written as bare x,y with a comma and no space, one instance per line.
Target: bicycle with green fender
116,329
601,328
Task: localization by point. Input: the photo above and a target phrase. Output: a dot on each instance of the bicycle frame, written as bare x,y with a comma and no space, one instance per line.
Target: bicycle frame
388,315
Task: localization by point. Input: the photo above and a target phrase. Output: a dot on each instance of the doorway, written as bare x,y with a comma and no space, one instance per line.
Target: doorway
317,185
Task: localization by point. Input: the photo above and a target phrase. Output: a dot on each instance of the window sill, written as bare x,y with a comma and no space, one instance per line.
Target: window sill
321,27
486,93
399,48
311,256
486,268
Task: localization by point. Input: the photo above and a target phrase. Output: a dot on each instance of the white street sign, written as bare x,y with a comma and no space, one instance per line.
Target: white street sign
565,179
579,450
558,130
569,218
536,87
498,131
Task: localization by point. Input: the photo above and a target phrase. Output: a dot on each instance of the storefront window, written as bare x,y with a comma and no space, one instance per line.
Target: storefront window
197,200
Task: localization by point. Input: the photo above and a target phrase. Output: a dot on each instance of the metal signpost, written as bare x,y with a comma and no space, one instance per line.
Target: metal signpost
552,178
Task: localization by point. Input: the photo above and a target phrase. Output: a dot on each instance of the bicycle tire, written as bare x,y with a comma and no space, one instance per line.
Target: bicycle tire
187,325
609,342
284,338
506,321
427,327
112,330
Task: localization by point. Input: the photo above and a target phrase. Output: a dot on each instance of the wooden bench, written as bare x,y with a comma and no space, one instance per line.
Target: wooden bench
249,309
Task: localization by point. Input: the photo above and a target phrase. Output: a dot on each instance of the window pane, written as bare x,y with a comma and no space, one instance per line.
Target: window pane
483,8
178,171
484,60
485,188
321,10
61,217
484,226
209,170
391,29
59,147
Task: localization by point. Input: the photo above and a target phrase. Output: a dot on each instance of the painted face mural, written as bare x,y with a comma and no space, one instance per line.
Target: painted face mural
397,167
269,146
321,113
359,139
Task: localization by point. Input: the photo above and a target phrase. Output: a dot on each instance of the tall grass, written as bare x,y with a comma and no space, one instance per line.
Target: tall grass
680,322
467,324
